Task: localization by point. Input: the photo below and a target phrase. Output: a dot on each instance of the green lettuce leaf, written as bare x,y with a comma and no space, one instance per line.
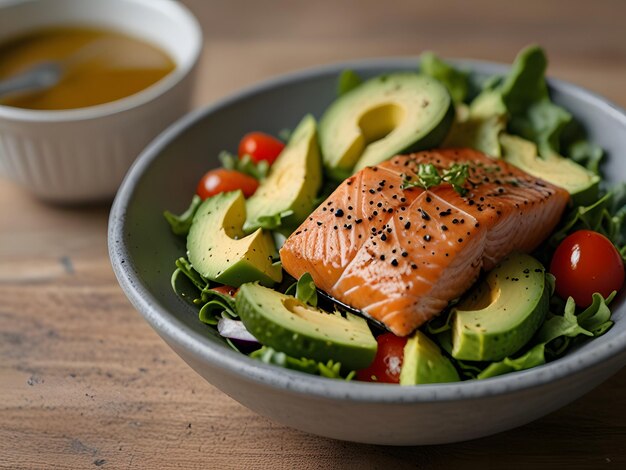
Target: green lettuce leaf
273,222
306,292
532,113
586,154
285,134
561,325
212,304
533,358
605,216
348,81
216,305
184,267
244,165
597,317
180,224
469,370
525,83
330,369
456,81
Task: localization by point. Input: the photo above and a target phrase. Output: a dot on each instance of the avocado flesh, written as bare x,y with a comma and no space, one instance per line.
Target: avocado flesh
292,183
578,181
219,250
500,315
284,323
382,117
424,363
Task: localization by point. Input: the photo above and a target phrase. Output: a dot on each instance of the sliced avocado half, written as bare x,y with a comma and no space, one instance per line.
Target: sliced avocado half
290,189
382,117
219,249
578,181
500,315
424,363
284,323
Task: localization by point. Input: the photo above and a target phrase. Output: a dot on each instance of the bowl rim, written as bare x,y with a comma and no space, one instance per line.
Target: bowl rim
231,362
169,8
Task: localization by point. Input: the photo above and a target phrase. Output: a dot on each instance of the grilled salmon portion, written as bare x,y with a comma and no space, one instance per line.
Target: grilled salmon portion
400,255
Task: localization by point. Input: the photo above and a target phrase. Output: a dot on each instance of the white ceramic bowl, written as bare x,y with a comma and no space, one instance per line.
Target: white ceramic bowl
82,155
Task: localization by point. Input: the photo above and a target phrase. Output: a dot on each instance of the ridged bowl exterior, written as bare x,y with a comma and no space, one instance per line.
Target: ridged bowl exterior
81,155
85,160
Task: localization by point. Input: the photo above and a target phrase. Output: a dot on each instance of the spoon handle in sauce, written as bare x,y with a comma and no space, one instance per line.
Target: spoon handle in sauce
37,78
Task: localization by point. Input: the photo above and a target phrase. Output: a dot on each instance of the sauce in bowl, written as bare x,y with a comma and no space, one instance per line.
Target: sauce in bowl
100,66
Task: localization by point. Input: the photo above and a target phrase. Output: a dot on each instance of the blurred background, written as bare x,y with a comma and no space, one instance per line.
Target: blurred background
251,40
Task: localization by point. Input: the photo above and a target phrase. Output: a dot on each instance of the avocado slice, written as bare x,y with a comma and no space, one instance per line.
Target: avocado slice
578,181
500,315
382,117
424,363
284,323
219,250
289,191
479,125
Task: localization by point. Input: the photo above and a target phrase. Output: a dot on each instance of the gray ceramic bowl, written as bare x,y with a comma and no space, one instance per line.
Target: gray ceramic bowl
143,251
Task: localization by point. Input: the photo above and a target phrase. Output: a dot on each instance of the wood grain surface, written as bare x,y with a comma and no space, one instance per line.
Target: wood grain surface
85,382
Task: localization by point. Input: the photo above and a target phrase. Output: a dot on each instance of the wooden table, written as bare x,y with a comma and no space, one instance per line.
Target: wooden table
85,382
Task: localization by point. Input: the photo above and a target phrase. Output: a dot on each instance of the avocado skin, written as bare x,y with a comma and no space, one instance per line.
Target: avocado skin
436,136
424,363
312,334
480,334
218,256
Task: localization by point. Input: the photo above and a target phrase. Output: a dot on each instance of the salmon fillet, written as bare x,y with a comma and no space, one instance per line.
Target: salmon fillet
401,255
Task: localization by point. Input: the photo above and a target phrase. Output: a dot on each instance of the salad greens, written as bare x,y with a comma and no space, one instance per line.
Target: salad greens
304,290
518,104
244,165
605,216
330,369
456,81
180,224
348,80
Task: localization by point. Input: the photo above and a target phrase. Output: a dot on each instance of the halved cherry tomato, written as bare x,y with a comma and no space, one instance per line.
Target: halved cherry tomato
226,290
260,146
222,181
388,361
584,263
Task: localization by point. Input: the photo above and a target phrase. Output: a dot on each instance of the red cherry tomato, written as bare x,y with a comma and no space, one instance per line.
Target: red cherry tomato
584,263
388,361
260,146
226,290
222,181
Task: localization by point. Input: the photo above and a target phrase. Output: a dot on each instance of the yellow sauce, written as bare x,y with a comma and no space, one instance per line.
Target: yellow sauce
101,66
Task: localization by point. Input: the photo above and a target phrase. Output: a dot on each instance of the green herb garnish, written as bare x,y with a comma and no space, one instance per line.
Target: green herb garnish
428,176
